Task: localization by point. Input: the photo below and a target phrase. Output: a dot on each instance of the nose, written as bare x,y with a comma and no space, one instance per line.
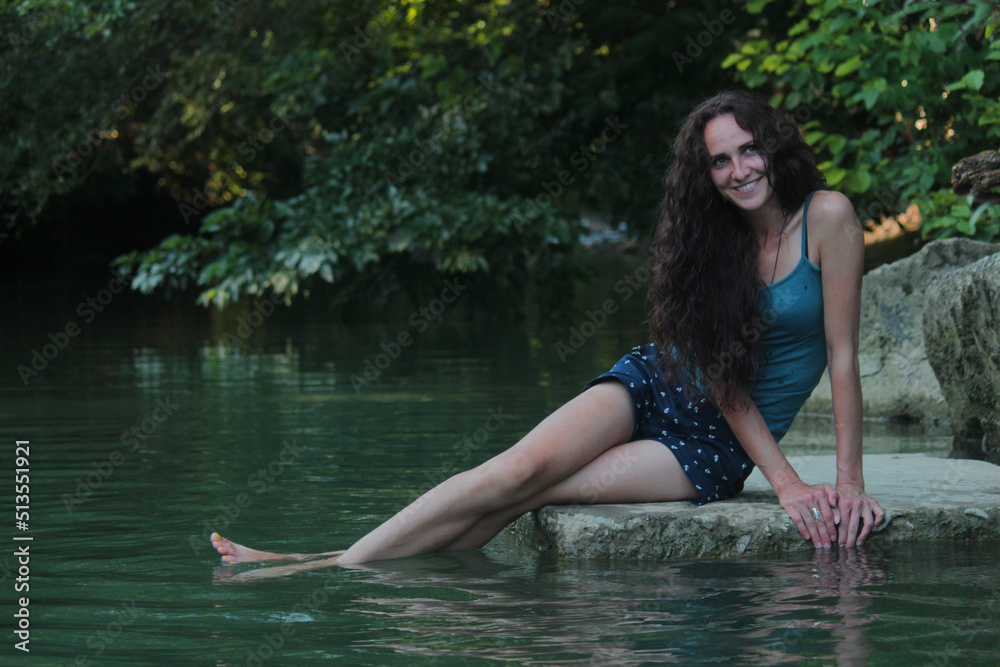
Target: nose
739,170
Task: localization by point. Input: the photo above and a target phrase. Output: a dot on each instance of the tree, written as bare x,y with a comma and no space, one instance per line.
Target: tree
890,93
288,133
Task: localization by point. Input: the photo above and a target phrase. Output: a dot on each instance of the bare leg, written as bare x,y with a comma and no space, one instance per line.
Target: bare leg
644,471
641,471
565,441
550,464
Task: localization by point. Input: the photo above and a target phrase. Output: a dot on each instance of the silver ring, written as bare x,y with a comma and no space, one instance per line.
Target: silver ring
816,513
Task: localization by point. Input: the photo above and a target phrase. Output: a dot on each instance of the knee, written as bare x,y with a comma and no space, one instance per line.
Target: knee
511,477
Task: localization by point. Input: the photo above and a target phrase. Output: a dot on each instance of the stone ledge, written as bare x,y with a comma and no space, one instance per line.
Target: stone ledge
925,498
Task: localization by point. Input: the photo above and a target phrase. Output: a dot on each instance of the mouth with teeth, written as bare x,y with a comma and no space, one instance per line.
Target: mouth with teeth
748,187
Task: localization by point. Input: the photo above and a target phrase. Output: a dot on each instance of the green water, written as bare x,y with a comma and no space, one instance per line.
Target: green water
147,432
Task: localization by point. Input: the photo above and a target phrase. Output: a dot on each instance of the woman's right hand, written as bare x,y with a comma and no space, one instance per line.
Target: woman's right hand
799,499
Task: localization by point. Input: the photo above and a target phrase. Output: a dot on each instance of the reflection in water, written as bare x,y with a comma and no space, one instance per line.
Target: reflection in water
832,585
474,604
121,532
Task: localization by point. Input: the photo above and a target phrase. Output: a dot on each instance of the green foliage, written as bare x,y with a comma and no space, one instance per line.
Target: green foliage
379,146
94,89
291,114
890,93
948,214
378,216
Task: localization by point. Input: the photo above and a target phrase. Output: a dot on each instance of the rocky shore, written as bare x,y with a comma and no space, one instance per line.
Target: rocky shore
925,498
897,379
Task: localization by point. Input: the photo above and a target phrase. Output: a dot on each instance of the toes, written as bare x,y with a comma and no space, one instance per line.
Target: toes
222,545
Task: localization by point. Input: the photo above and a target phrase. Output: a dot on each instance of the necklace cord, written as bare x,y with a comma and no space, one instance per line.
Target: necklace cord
781,233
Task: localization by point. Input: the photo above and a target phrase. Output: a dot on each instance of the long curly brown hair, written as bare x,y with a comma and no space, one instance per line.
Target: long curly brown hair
705,288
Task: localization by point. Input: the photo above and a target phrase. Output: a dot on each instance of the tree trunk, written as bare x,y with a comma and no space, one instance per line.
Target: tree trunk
980,175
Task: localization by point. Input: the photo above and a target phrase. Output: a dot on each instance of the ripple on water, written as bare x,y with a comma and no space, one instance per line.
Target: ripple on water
135,537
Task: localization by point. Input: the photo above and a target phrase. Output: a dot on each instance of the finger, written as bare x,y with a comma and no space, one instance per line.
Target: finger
853,525
874,514
879,513
799,522
851,509
824,524
834,499
869,518
827,506
844,532
866,519
816,529
829,522
844,525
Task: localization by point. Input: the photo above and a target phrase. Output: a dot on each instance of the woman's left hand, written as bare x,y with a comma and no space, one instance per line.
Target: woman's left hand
858,510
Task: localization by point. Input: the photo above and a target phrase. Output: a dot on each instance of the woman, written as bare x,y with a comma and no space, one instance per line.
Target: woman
749,304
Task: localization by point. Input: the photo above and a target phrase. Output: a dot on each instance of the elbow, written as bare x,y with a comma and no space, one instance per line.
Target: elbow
843,359
843,349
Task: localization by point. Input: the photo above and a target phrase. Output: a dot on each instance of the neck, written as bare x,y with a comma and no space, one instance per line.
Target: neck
766,222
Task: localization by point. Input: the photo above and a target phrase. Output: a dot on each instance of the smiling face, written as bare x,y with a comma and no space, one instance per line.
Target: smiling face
738,170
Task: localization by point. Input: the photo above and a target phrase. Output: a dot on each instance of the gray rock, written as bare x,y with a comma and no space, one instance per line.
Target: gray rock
962,330
896,379
925,498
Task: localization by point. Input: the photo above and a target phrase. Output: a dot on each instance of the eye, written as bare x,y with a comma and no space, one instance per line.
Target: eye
751,150
718,161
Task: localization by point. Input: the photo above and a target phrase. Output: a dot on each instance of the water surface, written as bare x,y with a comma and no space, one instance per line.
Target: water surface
148,431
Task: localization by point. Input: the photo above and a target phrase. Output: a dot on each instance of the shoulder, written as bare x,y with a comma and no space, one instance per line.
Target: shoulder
829,206
833,222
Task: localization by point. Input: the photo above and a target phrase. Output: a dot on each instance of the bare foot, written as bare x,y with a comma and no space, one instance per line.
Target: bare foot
237,553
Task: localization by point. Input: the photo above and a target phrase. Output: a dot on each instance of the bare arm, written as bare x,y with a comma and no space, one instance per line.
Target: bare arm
839,250
841,257
797,497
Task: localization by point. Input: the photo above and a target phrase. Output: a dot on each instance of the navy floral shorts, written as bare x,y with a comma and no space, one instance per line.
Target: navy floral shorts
685,421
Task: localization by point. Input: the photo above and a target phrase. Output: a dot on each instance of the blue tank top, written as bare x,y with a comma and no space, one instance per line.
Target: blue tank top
791,318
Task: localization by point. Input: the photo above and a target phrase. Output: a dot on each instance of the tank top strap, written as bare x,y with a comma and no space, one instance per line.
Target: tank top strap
805,234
